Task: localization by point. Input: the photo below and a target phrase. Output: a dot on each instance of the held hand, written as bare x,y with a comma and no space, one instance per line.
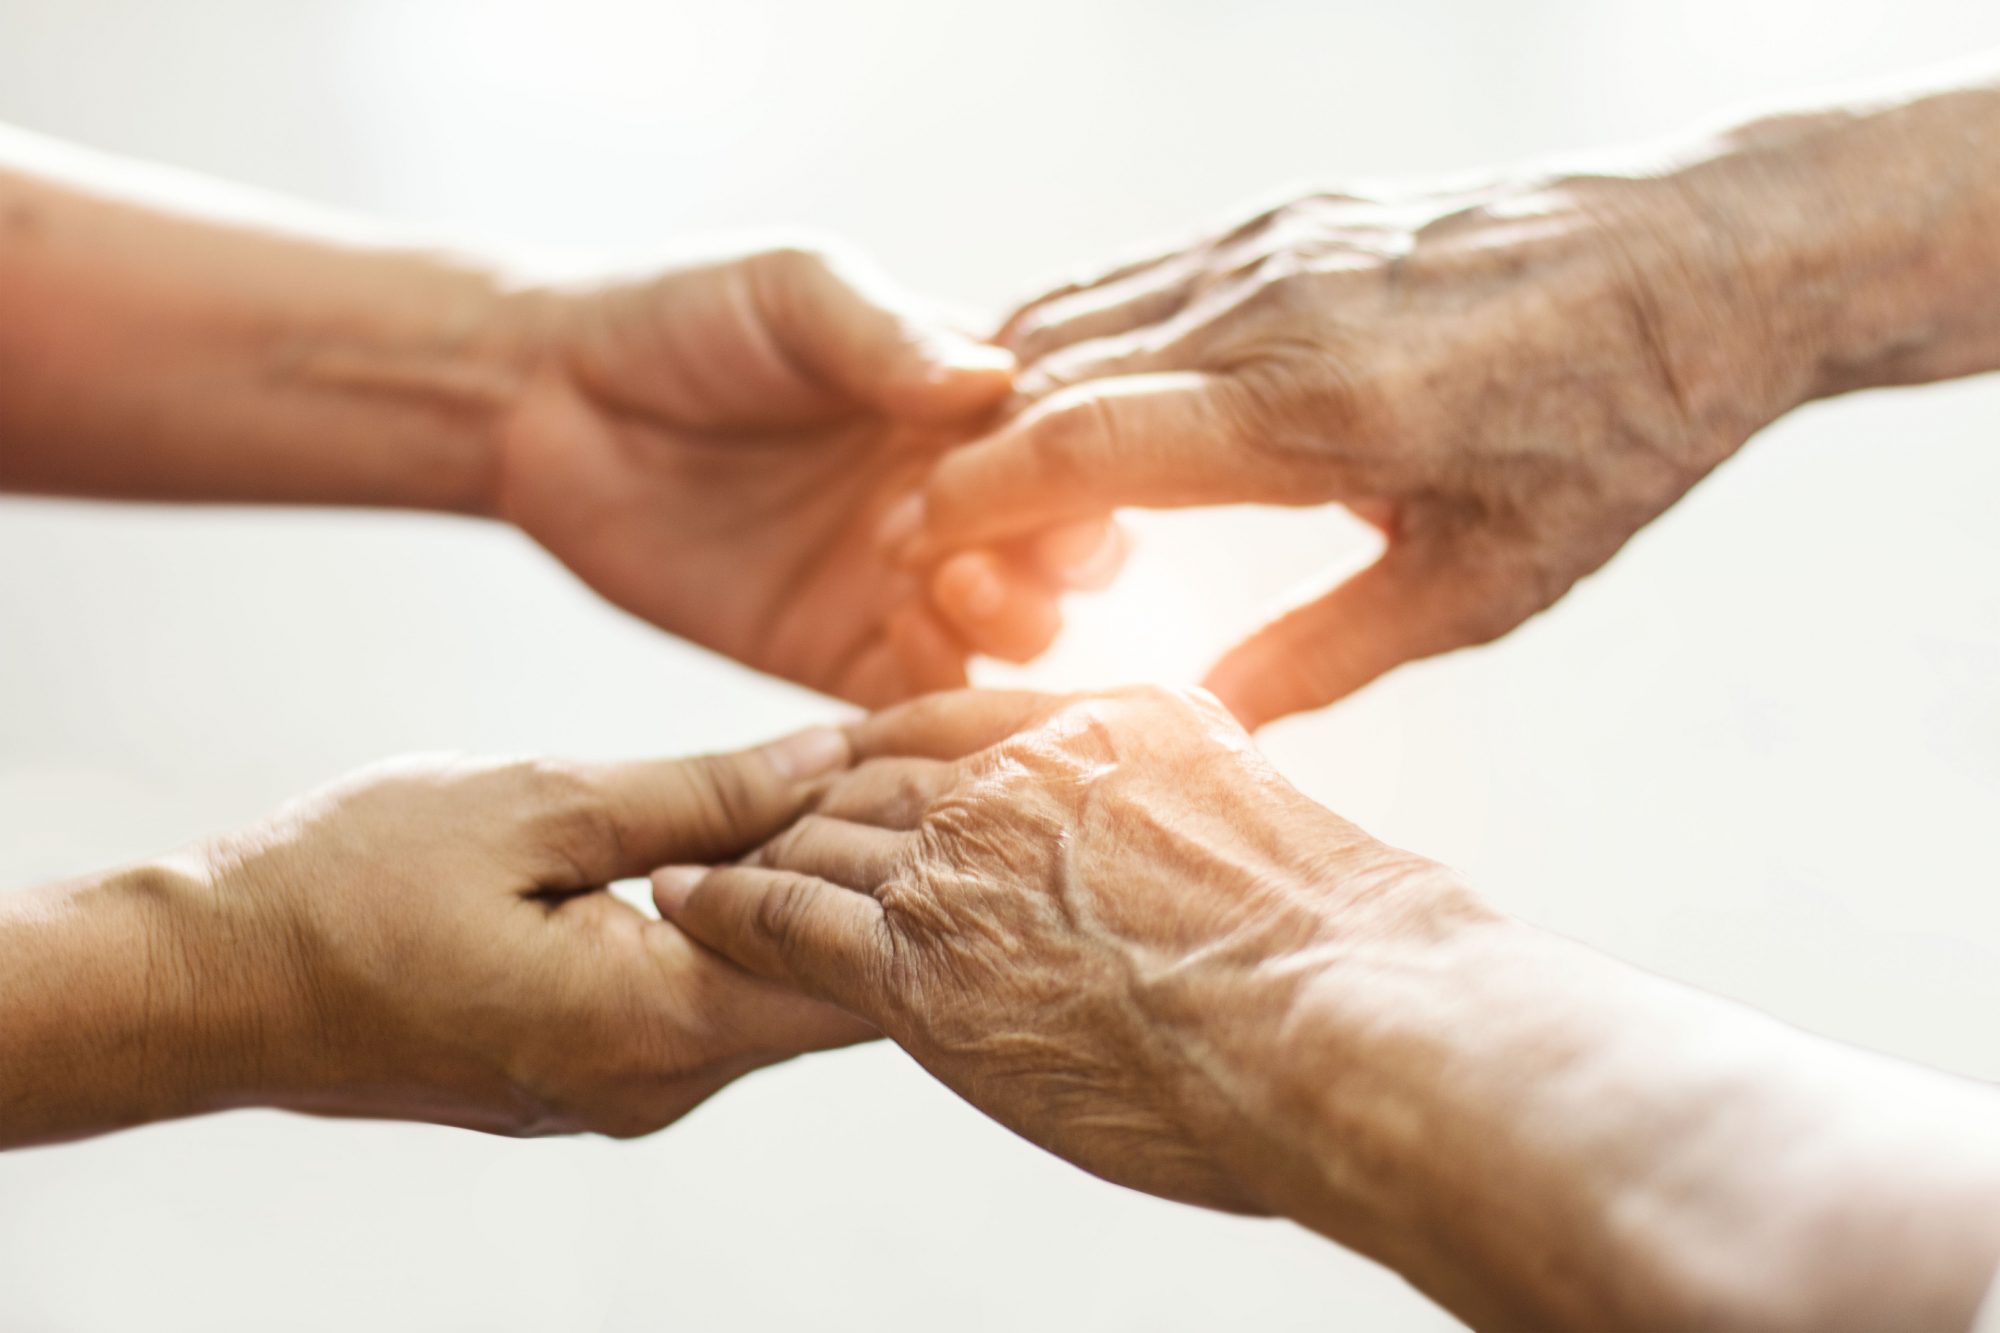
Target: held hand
714,448
430,940
1509,382
1073,912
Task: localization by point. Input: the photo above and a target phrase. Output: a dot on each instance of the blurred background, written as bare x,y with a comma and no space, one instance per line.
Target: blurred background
1761,752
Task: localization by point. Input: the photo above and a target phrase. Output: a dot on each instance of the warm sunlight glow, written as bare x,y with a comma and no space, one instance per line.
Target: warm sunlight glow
1180,602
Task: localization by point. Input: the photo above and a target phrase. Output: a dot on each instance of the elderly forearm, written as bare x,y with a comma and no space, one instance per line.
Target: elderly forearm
1869,235
114,1006
1539,1137
167,338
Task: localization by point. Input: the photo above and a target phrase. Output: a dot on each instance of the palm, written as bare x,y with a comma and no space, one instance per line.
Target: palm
681,459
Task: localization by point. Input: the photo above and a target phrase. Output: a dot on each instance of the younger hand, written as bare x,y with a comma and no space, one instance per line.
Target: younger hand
714,448
431,940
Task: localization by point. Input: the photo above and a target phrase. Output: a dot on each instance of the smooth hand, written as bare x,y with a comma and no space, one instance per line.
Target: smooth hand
431,940
1507,382
714,449
1088,917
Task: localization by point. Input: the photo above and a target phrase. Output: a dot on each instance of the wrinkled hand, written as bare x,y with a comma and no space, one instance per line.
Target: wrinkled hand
430,940
1509,382
1083,915
713,448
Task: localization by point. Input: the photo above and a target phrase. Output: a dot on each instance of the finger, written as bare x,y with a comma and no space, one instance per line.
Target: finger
858,856
1083,556
749,1014
887,793
949,726
850,327
1403,607
1150,296
1155,440
707,808
932,658
1033,310
993,607
818,937
876,678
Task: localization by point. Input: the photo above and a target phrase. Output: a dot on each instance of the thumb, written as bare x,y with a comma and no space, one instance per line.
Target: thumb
1159,440
707,808
851,328
1404,606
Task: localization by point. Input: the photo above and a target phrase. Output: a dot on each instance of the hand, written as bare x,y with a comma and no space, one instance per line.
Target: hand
1109,925
1076,928
1509,382
714,448
430,940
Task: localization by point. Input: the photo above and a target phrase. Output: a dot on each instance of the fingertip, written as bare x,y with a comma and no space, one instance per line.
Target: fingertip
951,378
1084,556
994,607
672,886
808,754
957,358
971,586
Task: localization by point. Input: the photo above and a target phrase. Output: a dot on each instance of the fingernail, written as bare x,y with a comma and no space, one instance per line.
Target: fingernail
953,358
901,524
673,884
808,754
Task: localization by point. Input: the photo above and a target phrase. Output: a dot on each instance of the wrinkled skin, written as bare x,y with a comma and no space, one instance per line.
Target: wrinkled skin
429,940
713,448
1508,381
1070,911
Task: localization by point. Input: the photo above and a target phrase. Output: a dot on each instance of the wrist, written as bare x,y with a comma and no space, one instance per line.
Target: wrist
429,357
1287,1040
116,1008
1867,240
206,1017
1537,1136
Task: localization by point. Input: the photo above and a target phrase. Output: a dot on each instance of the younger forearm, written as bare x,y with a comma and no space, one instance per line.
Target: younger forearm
158,344
1539,1137
112,1007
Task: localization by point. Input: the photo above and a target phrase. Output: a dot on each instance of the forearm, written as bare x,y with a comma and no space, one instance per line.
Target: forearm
113,1012
170,339
1540,1137
1866,239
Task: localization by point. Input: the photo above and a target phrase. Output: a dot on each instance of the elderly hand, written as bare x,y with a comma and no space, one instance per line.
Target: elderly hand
713,449
1070,912
1508,381
1109,925
426,940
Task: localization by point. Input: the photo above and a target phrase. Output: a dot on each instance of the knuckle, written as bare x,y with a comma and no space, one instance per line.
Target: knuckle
799,256
1277,293
1139,705
723,794
571,817
781,912
786,848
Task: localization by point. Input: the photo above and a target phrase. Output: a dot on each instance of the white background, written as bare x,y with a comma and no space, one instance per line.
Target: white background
1758,753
